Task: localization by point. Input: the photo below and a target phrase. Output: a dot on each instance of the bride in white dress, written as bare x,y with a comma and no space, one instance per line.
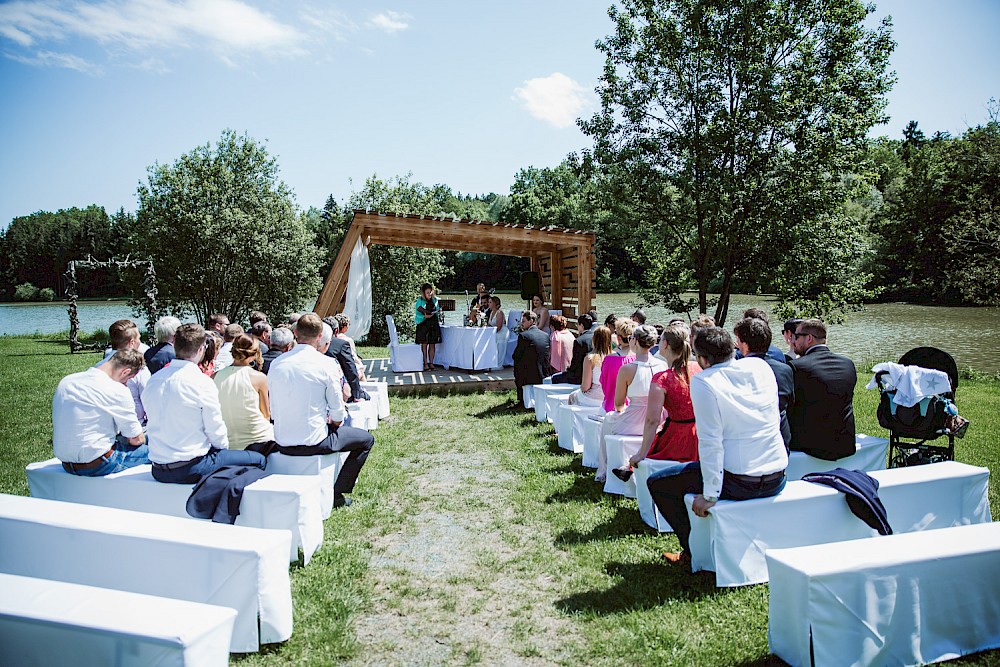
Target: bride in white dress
502,334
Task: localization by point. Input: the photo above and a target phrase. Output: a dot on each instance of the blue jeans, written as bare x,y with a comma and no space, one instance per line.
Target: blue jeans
191,472
122,457
668,488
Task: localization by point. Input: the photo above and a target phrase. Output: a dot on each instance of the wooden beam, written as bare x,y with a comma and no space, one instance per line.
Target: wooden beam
555,262
336,282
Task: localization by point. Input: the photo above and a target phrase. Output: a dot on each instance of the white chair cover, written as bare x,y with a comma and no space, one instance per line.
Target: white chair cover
405,358
513,320
358,298
620,449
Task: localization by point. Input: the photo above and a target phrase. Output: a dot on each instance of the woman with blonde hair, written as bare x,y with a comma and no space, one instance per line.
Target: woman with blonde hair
590,392
623,354
246,408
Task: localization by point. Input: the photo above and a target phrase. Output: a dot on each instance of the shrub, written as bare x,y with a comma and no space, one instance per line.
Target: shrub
46,294
25,292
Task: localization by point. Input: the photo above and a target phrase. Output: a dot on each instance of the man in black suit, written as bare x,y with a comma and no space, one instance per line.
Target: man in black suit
531,356
822,415
582,346
282,341
753,338
340,349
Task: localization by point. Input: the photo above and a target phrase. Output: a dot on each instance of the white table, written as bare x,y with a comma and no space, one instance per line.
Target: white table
245,569
902,599
44,622
469,348
276,501
732,540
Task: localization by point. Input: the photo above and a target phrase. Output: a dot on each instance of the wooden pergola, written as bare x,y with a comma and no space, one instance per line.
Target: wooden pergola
563,258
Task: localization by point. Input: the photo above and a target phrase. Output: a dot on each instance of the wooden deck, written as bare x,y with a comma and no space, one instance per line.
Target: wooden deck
438,380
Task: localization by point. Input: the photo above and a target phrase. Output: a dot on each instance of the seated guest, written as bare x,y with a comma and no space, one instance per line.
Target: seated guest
115,333
225,354
639,317
560,344
340,350
611,322
345,322
282,341
590,392
670,390
162,353
243,398
631,392
822,413
262,332
217,322
772,350
740,452
788,333
624,354
700,323
124,335
213,342
753,338
257,316
95,431
539,309
187,435
586,324
655,350
308,409
531,354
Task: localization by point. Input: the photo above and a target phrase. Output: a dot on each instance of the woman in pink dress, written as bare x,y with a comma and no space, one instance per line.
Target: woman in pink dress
561,345
624,354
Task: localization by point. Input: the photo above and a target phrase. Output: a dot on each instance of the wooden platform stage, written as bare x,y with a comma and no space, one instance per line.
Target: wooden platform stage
438,380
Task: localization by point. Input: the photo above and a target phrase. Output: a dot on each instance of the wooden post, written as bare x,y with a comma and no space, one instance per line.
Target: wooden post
556,293
336,283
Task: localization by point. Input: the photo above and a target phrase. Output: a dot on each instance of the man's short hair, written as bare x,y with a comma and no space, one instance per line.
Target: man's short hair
715,344
130,359
327,335
331,321
343,320
232,331
530,315
755,332
188,340
282,338
755,313
294,317
122,333
216,318
815,327
638,316
257,316
586,321
792,325
165,328
260,329
308,327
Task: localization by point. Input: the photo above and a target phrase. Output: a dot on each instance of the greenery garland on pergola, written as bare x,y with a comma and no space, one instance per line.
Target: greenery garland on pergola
147,303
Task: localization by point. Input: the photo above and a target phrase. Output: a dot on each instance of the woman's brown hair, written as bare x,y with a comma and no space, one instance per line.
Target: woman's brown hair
247,347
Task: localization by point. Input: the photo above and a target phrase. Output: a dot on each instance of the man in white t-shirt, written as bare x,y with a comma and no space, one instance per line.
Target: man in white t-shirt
307,405
187,435
95,431
125,336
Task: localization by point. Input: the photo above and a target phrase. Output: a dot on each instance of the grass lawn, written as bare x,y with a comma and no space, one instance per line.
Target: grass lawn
474,539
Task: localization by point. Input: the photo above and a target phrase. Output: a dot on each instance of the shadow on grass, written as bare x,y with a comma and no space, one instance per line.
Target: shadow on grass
767,661
625,523
642,586
583,487
505,409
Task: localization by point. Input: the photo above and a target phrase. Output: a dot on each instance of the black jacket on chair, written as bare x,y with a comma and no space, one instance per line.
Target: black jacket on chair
822,415
531,359
340,349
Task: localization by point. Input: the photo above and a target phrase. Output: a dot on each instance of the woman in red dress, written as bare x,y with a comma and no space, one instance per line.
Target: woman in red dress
670,390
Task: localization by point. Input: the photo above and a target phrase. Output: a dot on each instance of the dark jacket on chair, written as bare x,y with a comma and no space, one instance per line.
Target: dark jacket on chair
340,349
822,414
531,359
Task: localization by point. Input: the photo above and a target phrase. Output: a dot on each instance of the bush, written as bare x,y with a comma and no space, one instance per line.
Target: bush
25,292
46,294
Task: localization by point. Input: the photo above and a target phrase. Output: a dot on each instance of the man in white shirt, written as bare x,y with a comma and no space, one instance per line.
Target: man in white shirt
94,428
187,436
740,450
307,405
225,356
125,336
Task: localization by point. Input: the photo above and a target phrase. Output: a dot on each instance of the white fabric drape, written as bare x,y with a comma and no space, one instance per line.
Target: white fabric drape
358,301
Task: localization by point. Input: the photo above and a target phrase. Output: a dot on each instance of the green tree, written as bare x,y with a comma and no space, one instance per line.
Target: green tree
223,233
728,126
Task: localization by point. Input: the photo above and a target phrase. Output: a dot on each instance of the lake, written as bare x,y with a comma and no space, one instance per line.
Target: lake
880,332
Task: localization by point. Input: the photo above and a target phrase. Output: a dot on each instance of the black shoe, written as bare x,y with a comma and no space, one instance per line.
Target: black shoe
341,501
624,474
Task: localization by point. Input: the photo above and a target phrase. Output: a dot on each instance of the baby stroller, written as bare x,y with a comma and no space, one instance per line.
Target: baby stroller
912,428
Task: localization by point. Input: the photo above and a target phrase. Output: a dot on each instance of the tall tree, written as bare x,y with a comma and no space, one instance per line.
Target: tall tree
727,125
223,233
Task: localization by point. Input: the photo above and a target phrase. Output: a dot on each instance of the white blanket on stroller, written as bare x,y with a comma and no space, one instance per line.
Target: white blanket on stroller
912,383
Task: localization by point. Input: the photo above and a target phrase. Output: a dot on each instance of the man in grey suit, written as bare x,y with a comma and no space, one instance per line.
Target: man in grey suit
531,356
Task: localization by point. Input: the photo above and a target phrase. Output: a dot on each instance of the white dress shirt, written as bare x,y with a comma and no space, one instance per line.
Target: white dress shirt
305,389
88,410
739,429
136,385
225,357
185,419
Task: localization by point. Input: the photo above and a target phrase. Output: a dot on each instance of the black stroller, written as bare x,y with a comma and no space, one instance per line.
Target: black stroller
911,428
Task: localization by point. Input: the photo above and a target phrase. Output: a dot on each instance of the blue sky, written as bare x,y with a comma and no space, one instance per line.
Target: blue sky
460,93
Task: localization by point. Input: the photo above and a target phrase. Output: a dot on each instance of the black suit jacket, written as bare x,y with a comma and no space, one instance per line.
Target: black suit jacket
786,392
531,358
822,416
582,346
340,349
269,356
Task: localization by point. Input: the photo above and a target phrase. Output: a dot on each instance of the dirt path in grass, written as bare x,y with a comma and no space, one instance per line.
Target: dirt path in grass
462,580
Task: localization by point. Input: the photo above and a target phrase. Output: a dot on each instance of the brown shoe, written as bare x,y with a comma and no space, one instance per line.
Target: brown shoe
677,557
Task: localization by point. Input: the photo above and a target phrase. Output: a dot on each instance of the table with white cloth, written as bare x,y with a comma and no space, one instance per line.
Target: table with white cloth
468,348
46,622
245,569
275,501
732,539
903,599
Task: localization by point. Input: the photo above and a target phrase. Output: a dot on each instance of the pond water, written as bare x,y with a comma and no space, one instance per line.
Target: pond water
881,332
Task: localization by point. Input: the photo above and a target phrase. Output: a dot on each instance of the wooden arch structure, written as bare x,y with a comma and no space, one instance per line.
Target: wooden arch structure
563,258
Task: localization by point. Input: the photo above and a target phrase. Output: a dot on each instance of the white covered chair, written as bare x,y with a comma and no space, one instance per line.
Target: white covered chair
513,320
620,449
405,358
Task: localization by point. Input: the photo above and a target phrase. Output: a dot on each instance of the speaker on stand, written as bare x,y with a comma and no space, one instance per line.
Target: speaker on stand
531,284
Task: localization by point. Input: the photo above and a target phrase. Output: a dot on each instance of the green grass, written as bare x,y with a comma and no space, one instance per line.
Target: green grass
474,539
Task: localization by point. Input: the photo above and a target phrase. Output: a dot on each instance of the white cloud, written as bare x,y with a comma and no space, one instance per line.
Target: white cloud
390,21
329,22
226,26
556,99
52,59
